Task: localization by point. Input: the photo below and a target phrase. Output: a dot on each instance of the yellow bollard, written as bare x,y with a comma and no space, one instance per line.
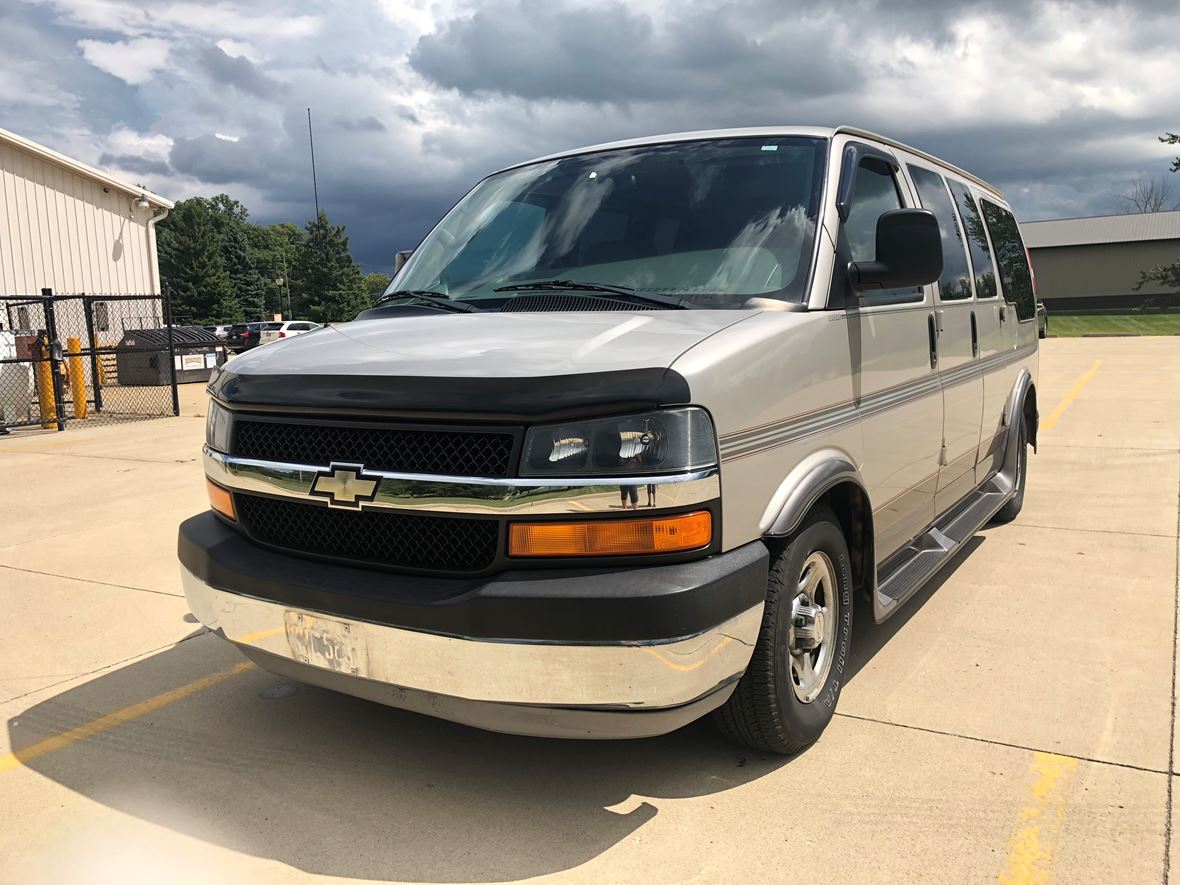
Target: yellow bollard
77,379
45,397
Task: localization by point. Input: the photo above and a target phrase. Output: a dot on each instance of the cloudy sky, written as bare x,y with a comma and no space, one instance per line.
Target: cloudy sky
1058,103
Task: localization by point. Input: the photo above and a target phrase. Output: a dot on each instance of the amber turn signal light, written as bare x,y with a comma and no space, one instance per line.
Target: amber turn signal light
220,500
611,537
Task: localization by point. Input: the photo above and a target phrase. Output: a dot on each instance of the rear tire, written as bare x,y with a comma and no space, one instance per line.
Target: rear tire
1011,510
788,694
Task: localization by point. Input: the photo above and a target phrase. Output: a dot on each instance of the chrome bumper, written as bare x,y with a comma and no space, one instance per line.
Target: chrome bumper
356,654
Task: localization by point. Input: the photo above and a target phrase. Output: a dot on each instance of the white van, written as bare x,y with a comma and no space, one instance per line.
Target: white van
630,432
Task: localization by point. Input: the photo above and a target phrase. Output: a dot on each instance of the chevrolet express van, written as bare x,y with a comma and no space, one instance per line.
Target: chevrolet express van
632,433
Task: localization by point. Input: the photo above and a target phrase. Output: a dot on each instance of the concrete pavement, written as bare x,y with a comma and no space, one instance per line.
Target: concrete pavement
1015,722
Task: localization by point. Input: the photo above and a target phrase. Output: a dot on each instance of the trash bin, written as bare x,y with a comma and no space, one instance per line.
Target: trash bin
142,355
16,382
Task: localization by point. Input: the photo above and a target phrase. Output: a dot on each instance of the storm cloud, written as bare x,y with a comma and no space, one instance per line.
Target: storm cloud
1058,103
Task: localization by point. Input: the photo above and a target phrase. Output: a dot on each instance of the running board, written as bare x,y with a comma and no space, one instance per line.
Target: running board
907,570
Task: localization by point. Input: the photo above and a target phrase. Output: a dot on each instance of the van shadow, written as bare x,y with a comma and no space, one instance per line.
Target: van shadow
333,785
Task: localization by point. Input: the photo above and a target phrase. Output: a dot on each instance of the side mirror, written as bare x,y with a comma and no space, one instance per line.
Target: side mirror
400,258
909,253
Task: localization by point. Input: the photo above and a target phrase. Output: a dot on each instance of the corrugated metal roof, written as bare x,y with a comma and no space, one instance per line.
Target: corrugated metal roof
1137,227
73,165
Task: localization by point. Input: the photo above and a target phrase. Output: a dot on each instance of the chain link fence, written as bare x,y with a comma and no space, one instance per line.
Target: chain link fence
95,359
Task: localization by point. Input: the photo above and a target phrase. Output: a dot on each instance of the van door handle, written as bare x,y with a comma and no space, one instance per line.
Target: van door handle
933,342
1003,314
974,337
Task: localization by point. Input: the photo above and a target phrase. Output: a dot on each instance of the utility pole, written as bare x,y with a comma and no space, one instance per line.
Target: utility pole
311,143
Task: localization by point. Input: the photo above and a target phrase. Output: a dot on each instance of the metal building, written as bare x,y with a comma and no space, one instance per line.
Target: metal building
1094,263
74,229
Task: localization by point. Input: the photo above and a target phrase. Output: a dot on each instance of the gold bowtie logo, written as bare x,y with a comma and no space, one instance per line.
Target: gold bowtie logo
345,486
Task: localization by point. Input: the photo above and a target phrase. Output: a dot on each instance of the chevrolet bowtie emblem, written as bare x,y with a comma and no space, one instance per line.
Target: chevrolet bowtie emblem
345,486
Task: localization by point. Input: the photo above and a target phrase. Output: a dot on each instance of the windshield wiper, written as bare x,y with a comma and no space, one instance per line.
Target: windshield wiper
441,300
592,289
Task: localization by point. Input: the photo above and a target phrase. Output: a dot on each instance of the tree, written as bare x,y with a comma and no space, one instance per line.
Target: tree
192,266
275,249
375,284
1164,275
329,282
1172,138
1150,194
243,275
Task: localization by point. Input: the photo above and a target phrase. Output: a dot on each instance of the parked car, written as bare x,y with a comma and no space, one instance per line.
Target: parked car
221,332
243,336
288,329
633,427
1042,320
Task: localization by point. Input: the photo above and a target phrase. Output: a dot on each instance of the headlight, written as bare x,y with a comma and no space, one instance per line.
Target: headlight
656,442
217,423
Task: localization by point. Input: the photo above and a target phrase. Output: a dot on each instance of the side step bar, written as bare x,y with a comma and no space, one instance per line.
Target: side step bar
912,566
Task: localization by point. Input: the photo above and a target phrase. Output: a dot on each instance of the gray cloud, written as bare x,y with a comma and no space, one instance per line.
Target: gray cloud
360,124
609,53
239,72
134,163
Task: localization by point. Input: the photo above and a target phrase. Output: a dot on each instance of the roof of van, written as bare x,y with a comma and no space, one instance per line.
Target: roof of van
764,132
1135,227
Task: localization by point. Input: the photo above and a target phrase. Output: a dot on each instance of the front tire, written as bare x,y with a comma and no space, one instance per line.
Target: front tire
790,689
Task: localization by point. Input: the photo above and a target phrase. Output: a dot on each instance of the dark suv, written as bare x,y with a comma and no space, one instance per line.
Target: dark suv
243,336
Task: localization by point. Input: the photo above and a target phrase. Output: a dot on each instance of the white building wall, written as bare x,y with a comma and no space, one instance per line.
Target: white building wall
62,229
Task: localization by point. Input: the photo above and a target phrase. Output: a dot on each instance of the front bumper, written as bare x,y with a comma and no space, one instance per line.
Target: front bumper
556,671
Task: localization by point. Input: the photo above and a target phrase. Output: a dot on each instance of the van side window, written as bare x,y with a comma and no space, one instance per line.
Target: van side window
955,282
1013,259
981,255
874,193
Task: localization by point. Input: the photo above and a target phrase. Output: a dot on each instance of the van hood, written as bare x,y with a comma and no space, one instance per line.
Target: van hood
504,364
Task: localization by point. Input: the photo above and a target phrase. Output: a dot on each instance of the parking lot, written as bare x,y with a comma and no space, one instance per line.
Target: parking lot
1015,721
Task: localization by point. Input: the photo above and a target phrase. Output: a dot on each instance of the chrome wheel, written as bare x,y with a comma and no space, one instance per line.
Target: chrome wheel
815,611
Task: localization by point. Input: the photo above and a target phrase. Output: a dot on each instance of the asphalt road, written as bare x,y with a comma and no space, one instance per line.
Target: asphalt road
1015,722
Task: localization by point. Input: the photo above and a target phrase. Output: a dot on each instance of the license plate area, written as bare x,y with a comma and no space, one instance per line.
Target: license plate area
323,642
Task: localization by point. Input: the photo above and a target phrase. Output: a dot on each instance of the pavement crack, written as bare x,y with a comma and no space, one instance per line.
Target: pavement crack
83,675
1009,745
1172,720
33,571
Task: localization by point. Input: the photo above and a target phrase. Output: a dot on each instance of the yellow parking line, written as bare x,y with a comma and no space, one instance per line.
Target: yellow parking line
1030,849
87,730
1048,423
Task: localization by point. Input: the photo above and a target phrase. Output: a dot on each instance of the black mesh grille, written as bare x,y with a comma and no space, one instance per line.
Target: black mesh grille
428,543
545,303
448,452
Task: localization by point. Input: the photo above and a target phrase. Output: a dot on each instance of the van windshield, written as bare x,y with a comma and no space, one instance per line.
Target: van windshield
712,222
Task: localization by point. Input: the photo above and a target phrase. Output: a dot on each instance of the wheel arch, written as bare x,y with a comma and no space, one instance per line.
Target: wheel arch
828,479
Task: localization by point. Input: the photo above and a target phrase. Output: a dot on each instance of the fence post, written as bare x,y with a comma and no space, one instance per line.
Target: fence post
55,358
171,349
95,372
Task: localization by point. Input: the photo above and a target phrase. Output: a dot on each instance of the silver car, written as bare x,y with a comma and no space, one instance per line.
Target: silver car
633,433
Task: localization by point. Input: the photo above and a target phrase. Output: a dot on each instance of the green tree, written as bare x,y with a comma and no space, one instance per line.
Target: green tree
243,275
375,284
329,282
275,249
1165,275
191,264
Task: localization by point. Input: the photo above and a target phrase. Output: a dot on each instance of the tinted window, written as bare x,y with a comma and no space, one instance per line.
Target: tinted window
955,282
1014,272
713,221
873,194
981,255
